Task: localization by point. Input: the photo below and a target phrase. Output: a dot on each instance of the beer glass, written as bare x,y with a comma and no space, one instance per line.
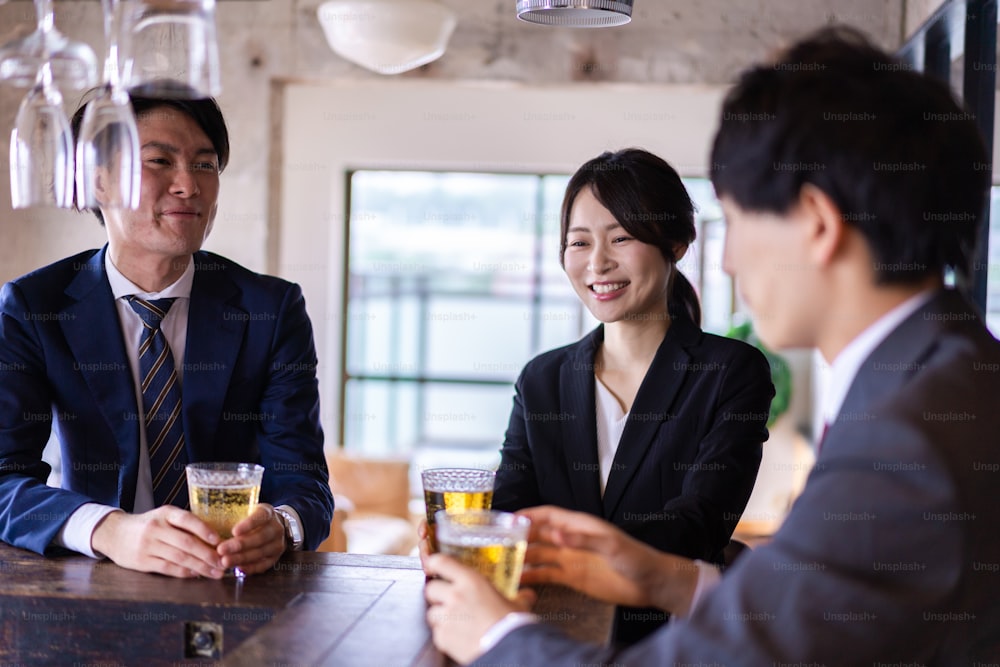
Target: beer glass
455,490
489,541
223,494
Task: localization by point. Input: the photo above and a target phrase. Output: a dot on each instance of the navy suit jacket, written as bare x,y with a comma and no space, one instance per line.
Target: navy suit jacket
249,393
890,555
687,459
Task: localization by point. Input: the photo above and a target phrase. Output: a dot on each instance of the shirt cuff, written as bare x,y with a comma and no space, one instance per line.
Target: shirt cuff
708,578
78,530
504,627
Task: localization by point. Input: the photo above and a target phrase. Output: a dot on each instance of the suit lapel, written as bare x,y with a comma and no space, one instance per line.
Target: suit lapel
579,434
652,407
93,334
898,357
215,331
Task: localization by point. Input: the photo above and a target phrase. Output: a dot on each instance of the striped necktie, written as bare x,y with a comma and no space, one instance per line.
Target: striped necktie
161,405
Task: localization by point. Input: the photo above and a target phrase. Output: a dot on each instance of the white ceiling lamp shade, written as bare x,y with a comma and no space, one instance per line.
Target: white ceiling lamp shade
576,13
387,36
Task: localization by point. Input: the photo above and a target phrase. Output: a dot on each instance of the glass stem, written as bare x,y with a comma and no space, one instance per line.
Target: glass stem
46,18
112,72
44,84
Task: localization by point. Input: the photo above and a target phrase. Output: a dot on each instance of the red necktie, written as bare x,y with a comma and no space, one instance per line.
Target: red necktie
822,437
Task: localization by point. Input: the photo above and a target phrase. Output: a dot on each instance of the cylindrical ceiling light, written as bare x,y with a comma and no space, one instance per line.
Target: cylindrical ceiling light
576,13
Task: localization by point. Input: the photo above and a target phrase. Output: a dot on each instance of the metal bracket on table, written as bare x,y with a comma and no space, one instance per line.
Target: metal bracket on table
202,640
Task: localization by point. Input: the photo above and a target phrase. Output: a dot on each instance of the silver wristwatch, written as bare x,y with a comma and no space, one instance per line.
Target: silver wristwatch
293,530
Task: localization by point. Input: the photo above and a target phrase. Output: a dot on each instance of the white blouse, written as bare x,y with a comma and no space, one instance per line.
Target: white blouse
610,424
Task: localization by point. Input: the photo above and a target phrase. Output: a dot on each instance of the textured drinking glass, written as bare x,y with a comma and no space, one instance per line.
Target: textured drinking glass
455,490
491,542
41,149
223,494
171,42
73,64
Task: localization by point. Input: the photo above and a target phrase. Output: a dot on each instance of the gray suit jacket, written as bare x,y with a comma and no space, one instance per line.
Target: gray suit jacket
890,555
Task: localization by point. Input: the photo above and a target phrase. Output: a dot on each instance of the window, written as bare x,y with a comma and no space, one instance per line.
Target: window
453,285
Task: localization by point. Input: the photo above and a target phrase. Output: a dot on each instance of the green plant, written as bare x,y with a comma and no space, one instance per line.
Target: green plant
781,375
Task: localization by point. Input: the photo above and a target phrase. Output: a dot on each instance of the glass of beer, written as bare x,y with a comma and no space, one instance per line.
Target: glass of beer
489,541
455,490
223,494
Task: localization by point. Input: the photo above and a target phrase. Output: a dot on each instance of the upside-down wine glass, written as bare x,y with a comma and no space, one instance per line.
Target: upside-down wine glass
41,148
73,63
108,165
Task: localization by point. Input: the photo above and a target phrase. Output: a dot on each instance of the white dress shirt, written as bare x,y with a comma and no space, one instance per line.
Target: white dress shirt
611,421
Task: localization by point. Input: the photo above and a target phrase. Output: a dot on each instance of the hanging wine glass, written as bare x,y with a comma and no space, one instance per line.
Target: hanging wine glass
41,148
173,49
73,63
108,166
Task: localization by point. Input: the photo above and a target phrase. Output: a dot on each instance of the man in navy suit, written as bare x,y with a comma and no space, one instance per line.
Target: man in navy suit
244,363
850,185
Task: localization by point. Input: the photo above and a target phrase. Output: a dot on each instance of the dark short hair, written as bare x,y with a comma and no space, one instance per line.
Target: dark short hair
648,199
205,112
891,148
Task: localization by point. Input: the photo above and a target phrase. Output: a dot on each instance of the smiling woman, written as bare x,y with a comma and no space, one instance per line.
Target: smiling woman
610,224
661,424
616,275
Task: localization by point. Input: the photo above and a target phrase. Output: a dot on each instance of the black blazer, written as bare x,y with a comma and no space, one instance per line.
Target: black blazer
688,456
687,459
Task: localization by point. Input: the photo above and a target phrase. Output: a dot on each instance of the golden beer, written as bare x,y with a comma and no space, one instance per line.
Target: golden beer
223,494
493,543
500,563
456,490
455,502
225,506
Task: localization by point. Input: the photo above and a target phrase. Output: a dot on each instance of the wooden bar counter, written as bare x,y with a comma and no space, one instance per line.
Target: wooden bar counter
310,609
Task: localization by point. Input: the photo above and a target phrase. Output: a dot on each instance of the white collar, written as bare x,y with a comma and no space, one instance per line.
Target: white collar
122,286
845,366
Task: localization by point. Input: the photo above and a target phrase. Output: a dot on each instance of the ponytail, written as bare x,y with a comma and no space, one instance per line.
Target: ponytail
683,300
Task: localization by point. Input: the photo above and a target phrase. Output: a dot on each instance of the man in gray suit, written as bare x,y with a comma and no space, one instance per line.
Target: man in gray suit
851,185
